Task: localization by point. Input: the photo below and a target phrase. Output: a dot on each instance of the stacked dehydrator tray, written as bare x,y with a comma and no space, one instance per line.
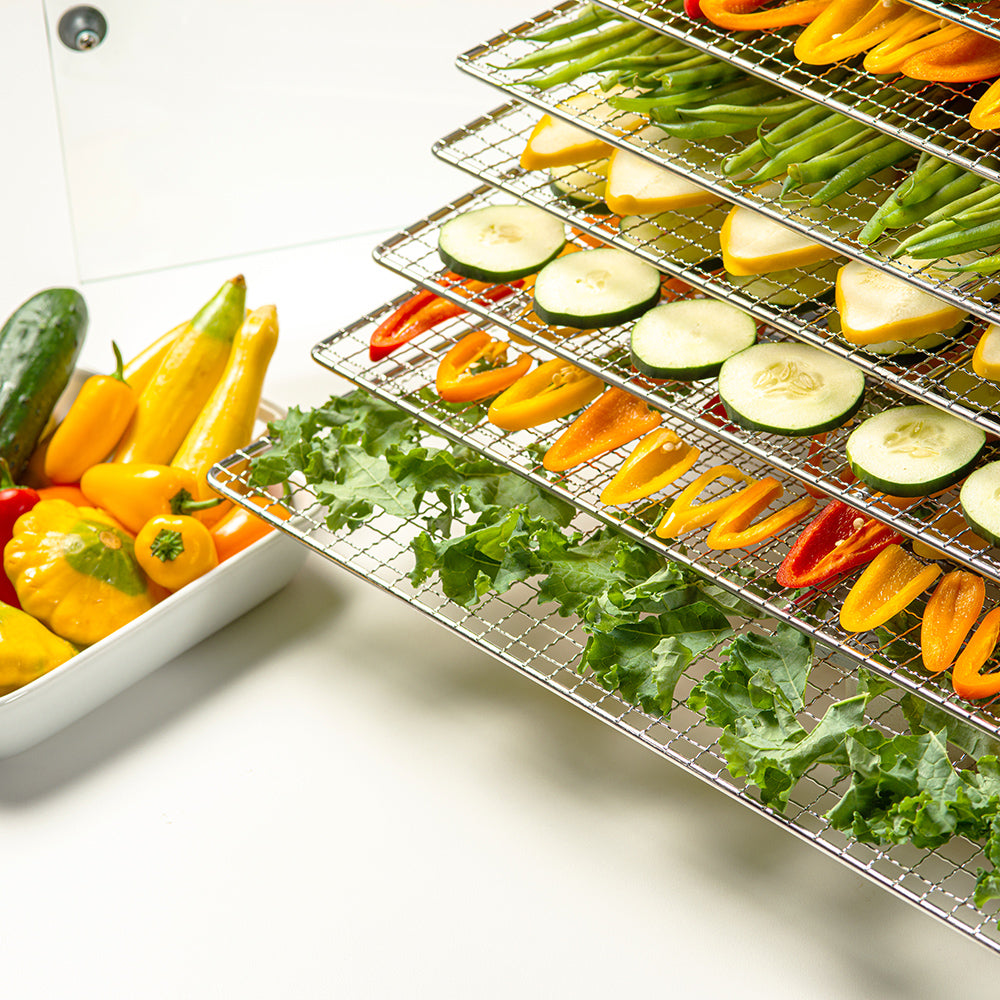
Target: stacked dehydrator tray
531,636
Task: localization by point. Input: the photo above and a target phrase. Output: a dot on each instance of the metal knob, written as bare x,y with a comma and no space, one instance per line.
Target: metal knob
82,28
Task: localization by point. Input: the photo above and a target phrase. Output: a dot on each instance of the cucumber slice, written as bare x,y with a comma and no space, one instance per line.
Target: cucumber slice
500,243
790,389
595,288
689,339
980,499
582,186
913,451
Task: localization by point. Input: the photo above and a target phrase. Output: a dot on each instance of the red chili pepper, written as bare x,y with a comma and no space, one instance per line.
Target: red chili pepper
839,540
14,501
422,312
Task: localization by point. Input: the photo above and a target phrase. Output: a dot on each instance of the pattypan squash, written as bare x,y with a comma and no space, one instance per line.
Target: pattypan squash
27,649
74,569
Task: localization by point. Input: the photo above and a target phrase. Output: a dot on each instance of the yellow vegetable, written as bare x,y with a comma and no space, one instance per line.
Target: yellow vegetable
986,358
74,569
225,423
27,649
142,367
184,380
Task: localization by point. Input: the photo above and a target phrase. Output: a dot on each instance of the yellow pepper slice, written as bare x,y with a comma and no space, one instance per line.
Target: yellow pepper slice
906,39
847,28
734,530
684,515
892,581
656,461
954,606
554,389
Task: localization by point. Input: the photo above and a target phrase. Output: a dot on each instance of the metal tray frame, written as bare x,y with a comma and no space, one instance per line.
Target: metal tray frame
962,13
489,148
406,380
530,637
699,162
936,119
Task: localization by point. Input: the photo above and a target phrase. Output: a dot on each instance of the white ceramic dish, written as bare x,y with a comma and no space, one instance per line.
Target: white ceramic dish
39,709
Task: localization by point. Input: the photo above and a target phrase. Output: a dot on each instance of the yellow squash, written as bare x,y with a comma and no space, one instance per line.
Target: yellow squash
184,379
74,569
225,423
27,649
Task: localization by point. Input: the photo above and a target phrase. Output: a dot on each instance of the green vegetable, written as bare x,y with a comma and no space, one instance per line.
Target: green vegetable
39,346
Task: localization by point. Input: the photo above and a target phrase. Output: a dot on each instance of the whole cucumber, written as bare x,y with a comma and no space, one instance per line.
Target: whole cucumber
39,346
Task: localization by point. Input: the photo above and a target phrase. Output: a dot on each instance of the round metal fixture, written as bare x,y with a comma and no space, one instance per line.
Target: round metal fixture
82,28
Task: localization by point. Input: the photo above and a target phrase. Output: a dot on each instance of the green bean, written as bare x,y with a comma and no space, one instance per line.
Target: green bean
871,163
986,265
909,215
576,49
755,151
588,18
986,235
927,179
985,194
822,168
751,112
700,74
699,129
580,66
813,142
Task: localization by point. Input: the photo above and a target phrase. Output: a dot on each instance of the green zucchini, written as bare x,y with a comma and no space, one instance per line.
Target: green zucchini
39,346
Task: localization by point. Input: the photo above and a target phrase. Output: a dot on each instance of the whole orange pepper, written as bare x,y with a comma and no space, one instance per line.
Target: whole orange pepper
174,550
240,528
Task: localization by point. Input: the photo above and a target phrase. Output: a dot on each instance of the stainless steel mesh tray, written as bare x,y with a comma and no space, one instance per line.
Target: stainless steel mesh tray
934,118
936,521
489,149
963,13
406,379
700,162
533,639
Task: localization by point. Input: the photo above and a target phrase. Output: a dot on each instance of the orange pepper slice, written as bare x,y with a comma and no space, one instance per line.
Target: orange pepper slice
459,381
733,529
954,606
614,419
684,515
656,461
911,34
964,56
966,679
742,15
891,582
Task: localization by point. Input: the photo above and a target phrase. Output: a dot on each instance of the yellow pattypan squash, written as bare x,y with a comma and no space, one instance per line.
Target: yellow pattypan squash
74,569
27,649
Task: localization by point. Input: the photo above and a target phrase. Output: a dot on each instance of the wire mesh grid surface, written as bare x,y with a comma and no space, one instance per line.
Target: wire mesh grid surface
928,116
524,633
968,14
685,244
834,225
406,380
936,521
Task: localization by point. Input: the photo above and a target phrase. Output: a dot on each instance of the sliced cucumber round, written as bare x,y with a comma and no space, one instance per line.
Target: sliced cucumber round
980,499
595,288
689,339
501,242
790,389
582,186
913,451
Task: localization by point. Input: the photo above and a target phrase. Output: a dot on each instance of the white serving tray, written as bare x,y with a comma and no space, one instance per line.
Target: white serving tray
40,709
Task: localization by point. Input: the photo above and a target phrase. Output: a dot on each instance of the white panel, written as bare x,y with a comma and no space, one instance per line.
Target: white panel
206,129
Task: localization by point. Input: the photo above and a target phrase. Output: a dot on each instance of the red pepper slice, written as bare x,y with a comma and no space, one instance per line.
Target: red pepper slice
424,310
455,384
693,8
838,540
14,501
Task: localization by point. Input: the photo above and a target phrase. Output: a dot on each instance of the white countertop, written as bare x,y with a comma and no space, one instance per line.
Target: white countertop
333,797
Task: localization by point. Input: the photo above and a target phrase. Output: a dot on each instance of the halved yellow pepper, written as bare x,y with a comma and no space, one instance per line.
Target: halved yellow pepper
909,35
685,515
734,530
892,581
554,389
846,28
656,461
985,114
954,606
986,357
614,419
